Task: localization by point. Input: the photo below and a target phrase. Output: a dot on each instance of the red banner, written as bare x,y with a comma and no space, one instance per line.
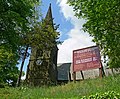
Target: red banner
86,58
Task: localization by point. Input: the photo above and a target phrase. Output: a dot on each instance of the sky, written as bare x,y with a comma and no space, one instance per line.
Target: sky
71,33
70,29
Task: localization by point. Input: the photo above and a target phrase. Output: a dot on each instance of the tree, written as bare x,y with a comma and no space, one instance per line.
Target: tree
102,23
8,70
42,35
14,21
15,18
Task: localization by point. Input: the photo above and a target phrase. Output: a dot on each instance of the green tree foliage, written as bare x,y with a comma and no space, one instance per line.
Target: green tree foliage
15,18
14,21
8,70
42,36
102,22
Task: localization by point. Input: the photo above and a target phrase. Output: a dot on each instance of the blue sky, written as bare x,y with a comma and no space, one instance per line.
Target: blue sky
70,29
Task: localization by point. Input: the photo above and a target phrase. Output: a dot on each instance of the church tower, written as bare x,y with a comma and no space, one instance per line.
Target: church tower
43,71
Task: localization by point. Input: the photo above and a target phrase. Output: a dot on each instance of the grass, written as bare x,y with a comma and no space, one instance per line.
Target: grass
70,90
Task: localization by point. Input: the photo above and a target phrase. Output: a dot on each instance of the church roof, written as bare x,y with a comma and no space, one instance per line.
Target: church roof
49,17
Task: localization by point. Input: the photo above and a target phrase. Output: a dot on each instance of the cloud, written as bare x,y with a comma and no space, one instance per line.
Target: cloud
65,9
76,37
23,77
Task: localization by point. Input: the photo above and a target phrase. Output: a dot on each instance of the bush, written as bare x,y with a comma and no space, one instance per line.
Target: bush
2,85
106,95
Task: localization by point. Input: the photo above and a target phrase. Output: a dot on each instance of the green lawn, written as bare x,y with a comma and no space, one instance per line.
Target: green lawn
70,90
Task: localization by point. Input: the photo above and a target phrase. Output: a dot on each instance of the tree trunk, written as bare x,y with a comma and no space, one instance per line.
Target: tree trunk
26,80
19,78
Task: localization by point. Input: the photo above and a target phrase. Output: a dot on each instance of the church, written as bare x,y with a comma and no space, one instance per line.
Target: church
42,68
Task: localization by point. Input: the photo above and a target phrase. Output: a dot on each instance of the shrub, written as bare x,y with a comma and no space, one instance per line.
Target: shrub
106,95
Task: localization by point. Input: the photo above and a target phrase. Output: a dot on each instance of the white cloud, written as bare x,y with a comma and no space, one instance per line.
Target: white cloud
77,38
65,9
23,77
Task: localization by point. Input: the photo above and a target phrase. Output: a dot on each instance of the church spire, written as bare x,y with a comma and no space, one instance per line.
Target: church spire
49,17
